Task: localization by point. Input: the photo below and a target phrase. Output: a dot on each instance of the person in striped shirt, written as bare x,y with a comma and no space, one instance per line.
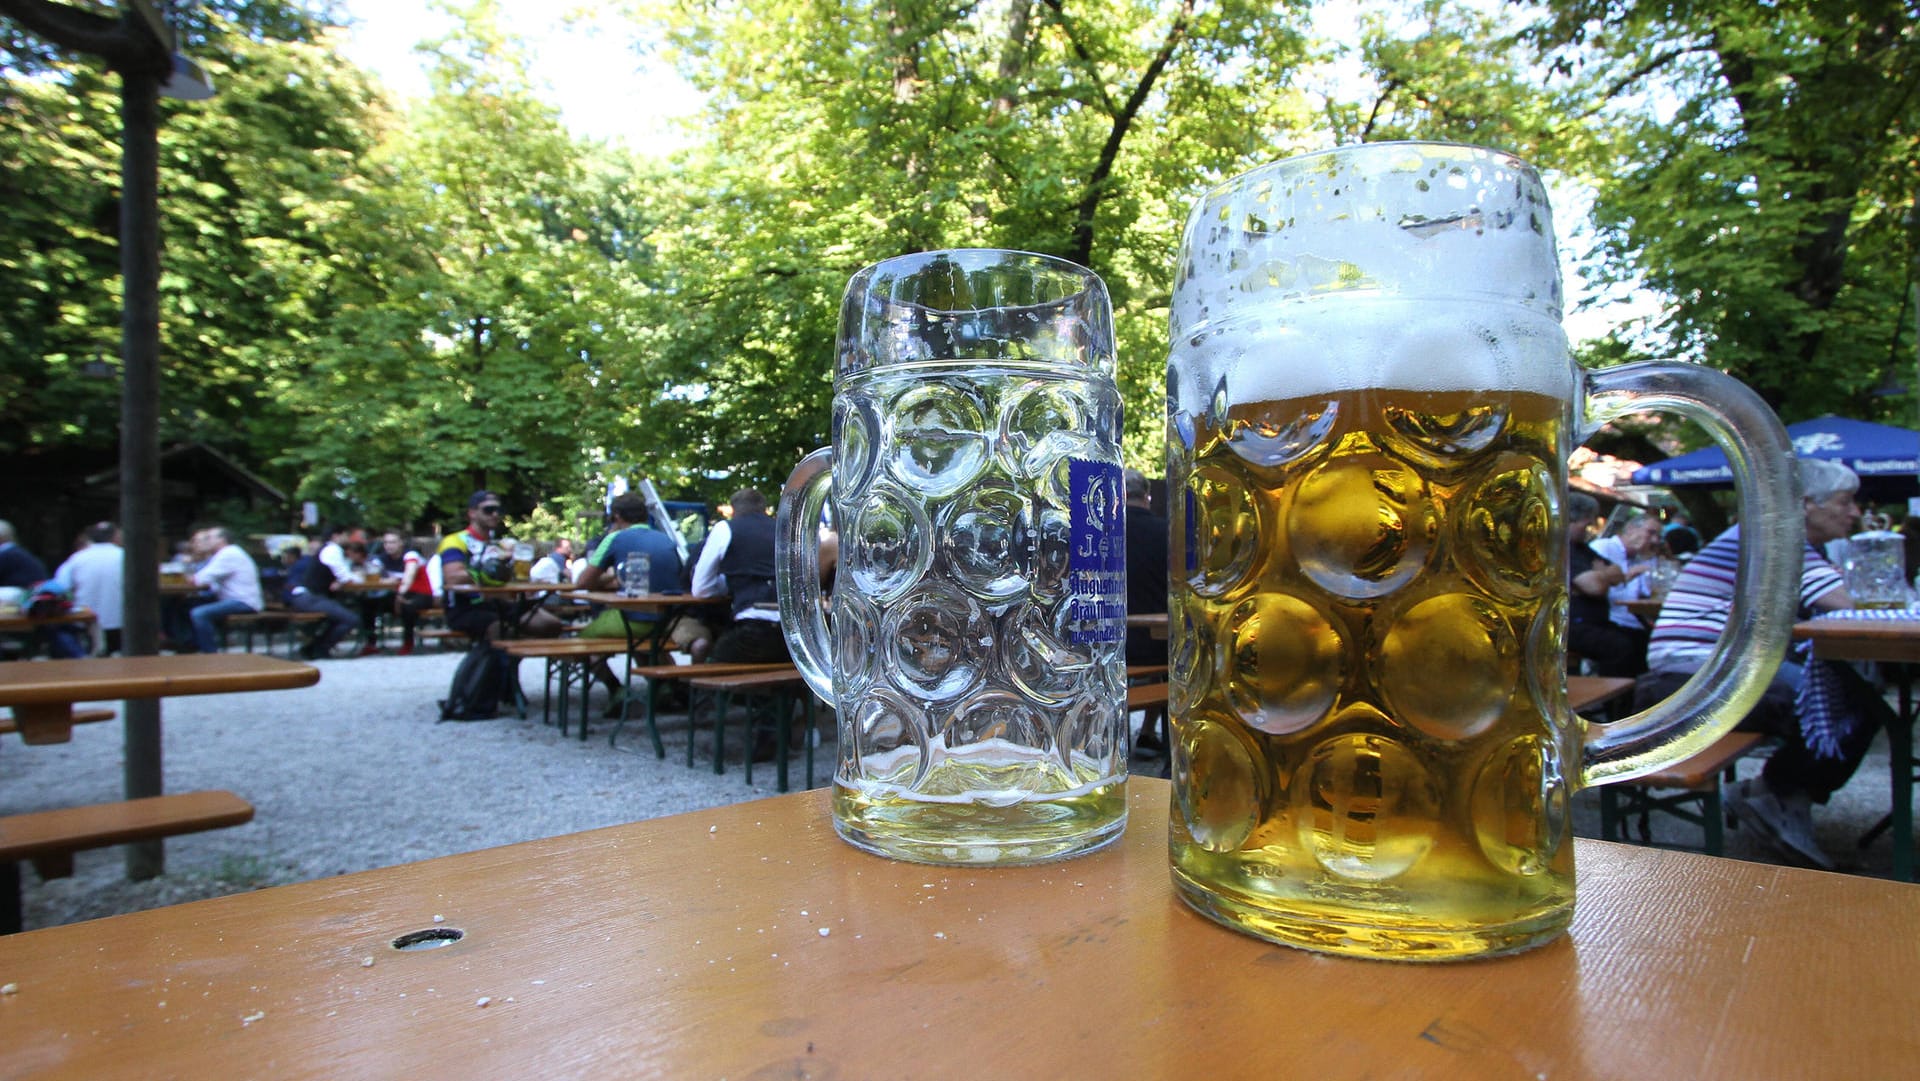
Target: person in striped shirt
1779,803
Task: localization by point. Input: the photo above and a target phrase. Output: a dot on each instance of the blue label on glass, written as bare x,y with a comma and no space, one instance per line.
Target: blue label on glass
1097,565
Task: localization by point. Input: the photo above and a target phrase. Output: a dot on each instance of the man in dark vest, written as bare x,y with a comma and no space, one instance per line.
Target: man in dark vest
738,560
311,585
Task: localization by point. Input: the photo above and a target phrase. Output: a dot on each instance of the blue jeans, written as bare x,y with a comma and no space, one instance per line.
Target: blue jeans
209,619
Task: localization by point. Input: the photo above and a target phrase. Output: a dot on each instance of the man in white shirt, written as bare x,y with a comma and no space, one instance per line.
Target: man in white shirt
334,557
96,575
235,581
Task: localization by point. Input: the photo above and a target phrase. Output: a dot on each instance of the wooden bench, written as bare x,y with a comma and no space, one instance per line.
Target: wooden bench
271,621
442,636
657,674
1691,790
780,685
1598,694
50,838
568,658
80,716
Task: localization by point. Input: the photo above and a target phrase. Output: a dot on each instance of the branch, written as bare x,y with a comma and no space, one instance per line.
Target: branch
1379,103
1081,250
126,44
1080,51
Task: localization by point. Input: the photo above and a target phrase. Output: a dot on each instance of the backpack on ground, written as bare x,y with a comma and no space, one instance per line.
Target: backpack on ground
478,685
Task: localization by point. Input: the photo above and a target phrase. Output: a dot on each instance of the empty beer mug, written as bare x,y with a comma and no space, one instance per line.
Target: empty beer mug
1371,405
975,650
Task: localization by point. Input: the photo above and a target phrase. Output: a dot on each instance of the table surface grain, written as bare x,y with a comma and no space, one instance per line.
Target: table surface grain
749,941
101,679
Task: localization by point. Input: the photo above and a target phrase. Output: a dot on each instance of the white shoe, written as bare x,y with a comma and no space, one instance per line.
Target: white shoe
1786,824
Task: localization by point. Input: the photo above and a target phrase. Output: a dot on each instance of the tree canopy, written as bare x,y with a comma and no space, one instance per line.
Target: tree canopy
383,306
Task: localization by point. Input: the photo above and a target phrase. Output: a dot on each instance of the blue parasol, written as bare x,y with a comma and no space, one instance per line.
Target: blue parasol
1871,450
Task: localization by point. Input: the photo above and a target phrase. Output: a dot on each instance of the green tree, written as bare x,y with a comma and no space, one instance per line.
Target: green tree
842,133
1765,184
245,178
470,329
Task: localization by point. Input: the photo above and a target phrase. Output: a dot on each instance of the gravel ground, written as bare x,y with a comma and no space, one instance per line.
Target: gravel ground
354,773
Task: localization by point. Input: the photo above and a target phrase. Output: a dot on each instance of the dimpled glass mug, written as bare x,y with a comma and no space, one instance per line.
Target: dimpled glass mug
1371,404
975,652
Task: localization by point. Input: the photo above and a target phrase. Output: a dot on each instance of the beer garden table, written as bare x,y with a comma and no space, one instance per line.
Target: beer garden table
667,606
1895,643
43,693
18,623
749,941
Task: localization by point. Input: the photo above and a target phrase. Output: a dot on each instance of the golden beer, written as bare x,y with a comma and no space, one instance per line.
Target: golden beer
1371,742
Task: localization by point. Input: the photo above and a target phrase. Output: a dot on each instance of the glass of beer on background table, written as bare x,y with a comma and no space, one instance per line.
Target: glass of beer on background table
1371,404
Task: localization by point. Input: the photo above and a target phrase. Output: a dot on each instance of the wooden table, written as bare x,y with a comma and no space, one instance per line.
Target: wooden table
666,606
1646,609
1154,622
1895,643
18,623
692,946
43,693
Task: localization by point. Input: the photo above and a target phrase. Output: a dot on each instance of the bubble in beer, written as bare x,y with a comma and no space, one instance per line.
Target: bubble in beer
856,430
888,544
1219,795
1448,666
1505,529
983,538
939,439
1520,806
1189,649
1546,676
1033,421
1365,807
1224,531
1278,439
1039,656
1285,663
856,639
1362,524
1443,441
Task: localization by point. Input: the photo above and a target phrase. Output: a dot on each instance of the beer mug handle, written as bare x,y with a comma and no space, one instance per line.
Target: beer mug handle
796,568
1767,581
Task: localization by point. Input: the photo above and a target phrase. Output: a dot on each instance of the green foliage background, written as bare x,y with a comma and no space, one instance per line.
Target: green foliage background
384,309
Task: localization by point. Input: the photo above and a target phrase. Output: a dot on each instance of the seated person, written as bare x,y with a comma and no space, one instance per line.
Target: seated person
474,556
23,570
1779,804
1635,549
1591,632
232,577
311,585
631,535
738,560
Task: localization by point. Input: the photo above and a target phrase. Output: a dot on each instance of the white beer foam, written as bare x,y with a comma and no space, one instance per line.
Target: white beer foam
1417,266
1313,348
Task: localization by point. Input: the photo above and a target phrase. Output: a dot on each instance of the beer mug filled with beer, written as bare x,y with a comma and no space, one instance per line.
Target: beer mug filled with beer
975,649
1371,404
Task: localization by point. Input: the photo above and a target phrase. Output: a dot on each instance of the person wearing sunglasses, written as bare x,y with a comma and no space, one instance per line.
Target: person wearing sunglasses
475,556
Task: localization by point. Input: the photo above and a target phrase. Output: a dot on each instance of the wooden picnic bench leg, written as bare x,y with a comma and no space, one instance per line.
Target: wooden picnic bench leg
586,693
720,736
11,907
